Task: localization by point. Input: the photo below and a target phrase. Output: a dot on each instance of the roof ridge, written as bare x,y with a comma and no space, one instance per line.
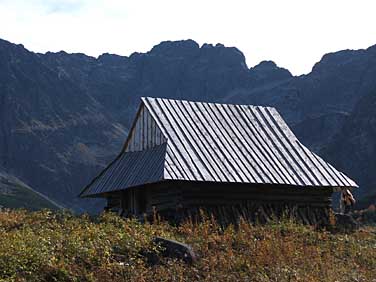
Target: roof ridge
143,98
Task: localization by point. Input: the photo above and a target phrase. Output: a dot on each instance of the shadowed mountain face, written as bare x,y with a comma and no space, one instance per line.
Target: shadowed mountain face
64,116
53,134
353,149
317,104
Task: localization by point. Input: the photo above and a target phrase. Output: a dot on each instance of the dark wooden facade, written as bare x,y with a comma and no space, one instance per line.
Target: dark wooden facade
227,202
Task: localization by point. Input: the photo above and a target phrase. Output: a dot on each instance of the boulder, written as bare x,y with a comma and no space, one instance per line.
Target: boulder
175,249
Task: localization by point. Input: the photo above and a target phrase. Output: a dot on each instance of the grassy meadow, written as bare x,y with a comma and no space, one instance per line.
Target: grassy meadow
57,246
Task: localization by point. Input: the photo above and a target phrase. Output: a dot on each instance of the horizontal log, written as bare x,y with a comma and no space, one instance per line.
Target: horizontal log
165,199
253,191
236,196
237,203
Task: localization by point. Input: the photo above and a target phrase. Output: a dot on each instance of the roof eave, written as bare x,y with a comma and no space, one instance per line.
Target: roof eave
103,194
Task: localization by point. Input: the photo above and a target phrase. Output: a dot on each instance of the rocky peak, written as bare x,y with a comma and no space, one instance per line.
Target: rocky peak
189,49
4,44
182,48
112,59
266,65
339,59
14,53
230,56
268,70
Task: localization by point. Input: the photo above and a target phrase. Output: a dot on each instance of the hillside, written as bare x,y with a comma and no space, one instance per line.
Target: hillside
16,194
44,246
64,116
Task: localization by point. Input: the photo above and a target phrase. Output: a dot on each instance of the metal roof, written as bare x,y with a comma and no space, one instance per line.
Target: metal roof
128,170
236,143
228,143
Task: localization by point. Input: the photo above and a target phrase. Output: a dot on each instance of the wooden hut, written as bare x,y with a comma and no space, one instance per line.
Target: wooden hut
229,160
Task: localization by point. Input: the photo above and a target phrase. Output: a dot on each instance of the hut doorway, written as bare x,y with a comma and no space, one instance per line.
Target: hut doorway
137,201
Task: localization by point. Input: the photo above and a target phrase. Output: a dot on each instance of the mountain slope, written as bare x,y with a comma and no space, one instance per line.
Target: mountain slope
354,147
16,194
46,122
320,101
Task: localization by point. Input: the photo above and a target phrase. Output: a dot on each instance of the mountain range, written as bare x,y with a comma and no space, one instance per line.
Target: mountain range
63,116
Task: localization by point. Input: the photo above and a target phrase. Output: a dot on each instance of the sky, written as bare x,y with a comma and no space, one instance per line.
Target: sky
293,33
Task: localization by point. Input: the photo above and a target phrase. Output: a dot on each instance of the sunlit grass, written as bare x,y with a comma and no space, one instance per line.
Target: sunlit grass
46,246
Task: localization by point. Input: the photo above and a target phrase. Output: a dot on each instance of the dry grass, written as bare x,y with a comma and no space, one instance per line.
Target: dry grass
45,246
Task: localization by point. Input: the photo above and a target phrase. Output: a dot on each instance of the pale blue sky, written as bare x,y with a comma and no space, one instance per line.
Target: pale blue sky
293,33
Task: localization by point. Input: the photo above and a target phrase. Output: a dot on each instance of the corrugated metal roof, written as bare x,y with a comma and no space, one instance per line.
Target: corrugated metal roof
236,143
219,143
128,170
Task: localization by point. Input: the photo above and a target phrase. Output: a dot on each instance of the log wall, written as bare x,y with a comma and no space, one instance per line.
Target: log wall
176,200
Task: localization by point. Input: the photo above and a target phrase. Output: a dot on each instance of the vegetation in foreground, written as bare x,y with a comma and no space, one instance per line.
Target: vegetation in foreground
48,246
